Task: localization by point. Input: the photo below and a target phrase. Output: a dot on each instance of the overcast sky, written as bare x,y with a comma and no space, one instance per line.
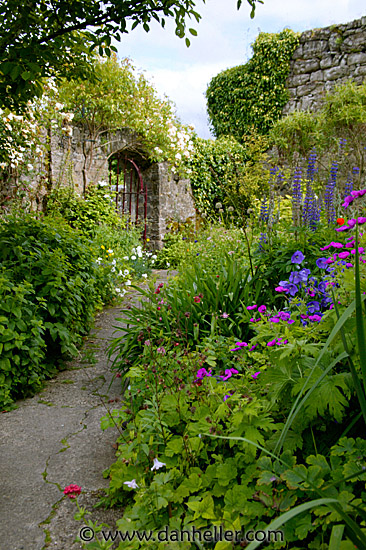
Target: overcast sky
224,40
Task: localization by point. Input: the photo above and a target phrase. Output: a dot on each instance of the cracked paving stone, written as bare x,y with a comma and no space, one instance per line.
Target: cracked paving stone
54,439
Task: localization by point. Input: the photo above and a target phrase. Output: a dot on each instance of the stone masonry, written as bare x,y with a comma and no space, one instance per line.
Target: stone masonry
326,57
79,161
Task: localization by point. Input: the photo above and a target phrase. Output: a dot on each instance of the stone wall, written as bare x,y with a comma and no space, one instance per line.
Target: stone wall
78,162
326,57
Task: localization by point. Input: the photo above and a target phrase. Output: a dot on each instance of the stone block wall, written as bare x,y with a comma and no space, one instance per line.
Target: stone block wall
78,162
325,57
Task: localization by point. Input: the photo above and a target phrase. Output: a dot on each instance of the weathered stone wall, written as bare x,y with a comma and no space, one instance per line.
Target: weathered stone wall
326,57
78,161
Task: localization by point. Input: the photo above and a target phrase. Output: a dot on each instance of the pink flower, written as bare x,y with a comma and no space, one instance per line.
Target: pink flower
314,318
197,299
72,491
201,373
225,315
229,373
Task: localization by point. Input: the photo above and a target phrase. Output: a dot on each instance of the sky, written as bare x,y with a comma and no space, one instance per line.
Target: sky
224,40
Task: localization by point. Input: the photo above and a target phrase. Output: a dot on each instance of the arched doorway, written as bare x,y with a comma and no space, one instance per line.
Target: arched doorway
126,181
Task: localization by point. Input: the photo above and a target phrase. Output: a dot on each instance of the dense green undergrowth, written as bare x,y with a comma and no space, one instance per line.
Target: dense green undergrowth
55,273
246,408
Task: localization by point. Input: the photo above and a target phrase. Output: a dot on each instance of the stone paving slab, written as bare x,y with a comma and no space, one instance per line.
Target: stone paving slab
54,439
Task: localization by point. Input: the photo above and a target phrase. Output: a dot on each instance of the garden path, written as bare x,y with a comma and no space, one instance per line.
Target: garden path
54,439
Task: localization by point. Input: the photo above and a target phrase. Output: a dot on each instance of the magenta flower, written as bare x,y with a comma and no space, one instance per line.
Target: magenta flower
256,374
201,373
336,245
360,250
281,289
229,373
271,343
253,320
262,309
361,220
251,307
314,318
253,347
343,255
72,491
274,319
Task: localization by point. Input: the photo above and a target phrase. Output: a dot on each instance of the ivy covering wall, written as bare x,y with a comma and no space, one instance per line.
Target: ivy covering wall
252,95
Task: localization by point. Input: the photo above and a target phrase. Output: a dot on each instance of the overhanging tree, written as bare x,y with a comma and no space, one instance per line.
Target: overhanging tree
43,38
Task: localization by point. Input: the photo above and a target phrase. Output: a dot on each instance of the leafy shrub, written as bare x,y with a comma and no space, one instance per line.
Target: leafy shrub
342,115
58,263
252,95
22,345
85,213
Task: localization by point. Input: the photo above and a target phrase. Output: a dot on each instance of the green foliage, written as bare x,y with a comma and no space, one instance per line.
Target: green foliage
119,98
252,95
50,294
85,213
343,114
227,173
22,346
58,42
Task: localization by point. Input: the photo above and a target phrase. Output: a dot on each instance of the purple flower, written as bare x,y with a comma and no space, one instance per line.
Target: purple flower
271,343
281,289
241,344
274,319
290,321
361,220
297,257
253,347
313,306
314,318
251,307
262,309
336,245
322,263
292,289
201,373
253,320
229,373
295,277
284,315
343,255
304,274
256,374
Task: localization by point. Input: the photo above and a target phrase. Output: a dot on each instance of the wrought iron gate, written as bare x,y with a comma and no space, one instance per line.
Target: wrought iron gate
125,179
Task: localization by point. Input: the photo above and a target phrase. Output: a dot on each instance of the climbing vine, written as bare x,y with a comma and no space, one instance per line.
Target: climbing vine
252,95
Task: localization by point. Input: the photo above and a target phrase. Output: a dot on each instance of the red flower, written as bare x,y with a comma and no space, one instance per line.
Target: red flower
72,491
197,299
340,221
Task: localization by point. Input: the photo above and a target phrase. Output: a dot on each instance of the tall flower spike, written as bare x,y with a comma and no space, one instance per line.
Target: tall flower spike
296,197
